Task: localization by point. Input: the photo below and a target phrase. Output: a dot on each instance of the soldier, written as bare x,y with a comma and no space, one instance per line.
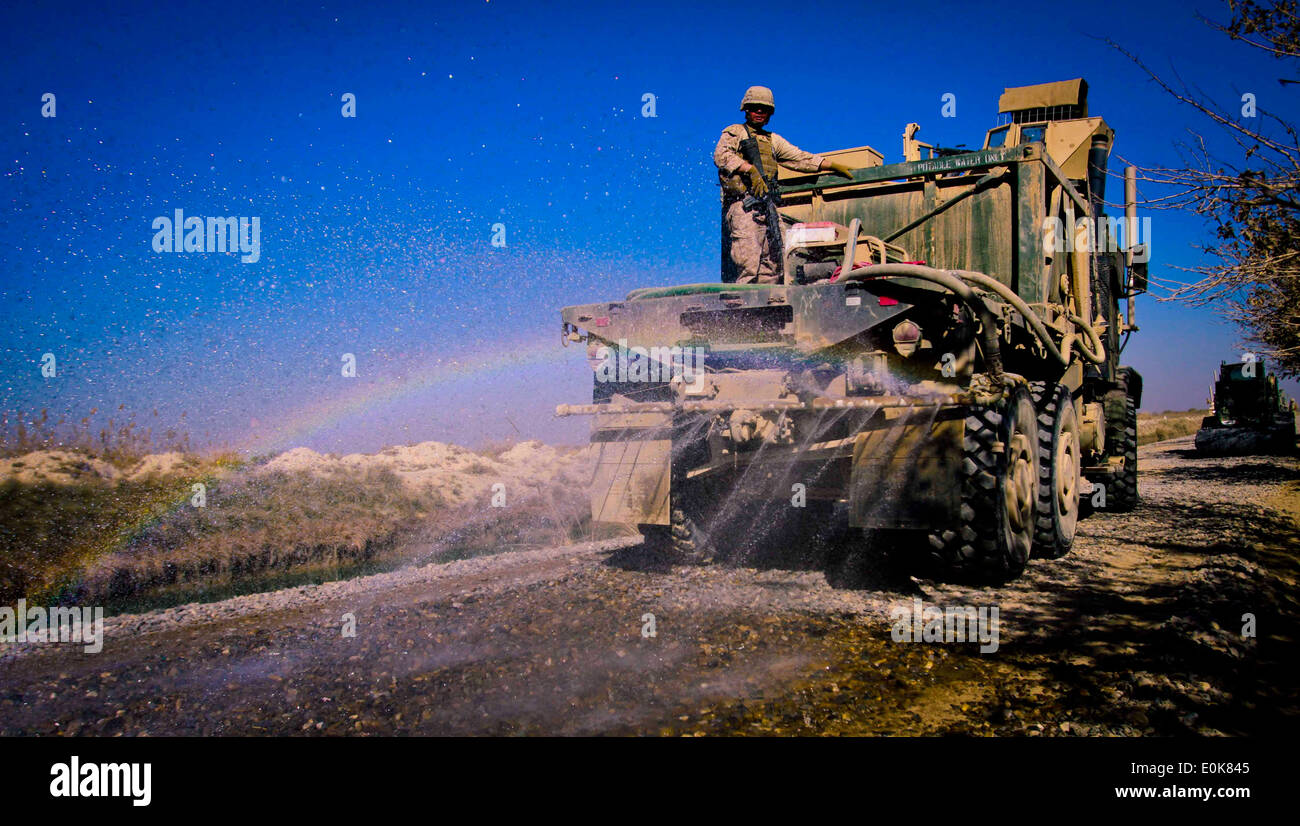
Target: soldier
751,250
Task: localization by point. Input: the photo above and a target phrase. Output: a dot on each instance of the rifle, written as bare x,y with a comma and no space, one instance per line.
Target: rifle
767,203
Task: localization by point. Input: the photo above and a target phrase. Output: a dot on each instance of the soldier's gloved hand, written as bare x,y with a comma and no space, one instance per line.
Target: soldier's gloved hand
840,169
757,185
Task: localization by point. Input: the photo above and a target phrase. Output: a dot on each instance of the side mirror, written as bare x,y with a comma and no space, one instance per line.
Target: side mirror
1137,276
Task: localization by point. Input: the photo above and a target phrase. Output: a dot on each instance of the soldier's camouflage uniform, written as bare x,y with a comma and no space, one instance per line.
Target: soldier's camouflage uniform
750,250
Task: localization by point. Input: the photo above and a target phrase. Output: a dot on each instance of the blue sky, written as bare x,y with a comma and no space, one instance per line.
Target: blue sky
376,230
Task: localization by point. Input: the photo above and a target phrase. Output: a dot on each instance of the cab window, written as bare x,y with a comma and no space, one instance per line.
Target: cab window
1033,134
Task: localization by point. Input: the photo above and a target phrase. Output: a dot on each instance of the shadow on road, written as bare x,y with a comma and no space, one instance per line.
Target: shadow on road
641,557
847,559
1177,640
1251,472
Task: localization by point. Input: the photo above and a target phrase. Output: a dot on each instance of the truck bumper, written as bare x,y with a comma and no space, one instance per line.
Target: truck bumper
897,467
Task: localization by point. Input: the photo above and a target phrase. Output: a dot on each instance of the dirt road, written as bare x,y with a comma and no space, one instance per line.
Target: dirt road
1138,631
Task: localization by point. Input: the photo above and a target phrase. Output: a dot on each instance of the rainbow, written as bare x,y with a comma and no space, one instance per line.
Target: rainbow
309,420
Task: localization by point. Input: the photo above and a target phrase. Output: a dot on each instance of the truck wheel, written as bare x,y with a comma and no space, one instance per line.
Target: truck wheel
1125,496
690,544
682,541
999,493
1059,469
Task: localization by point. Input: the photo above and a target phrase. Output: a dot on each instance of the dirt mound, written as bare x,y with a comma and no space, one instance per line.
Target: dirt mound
455,473
164,464
62,467
127,534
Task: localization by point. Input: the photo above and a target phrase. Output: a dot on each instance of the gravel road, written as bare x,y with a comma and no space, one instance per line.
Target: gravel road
1138,632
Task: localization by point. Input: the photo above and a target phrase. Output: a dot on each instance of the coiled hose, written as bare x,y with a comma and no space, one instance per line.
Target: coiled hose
959,282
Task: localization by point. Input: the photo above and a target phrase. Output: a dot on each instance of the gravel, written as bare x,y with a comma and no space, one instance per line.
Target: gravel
1139,631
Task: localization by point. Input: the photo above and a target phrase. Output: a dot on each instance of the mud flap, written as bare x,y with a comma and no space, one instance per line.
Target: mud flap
906,473
633,469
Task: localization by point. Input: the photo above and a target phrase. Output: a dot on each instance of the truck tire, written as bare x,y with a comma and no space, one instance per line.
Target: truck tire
690,544
682,541
1124,498
1059,470
999,494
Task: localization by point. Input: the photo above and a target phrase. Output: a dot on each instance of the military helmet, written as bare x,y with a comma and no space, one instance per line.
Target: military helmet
760,95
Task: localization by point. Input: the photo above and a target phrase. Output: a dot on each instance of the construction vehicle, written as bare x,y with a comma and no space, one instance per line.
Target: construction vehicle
1251,413
937,369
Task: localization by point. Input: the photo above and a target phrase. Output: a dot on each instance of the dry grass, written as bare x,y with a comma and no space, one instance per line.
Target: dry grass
50,532
84,538
1156,427
101,542
120,442
494,448
255,525
541,517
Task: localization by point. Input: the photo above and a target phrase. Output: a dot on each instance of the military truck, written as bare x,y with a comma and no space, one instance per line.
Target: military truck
1251,413
937,370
